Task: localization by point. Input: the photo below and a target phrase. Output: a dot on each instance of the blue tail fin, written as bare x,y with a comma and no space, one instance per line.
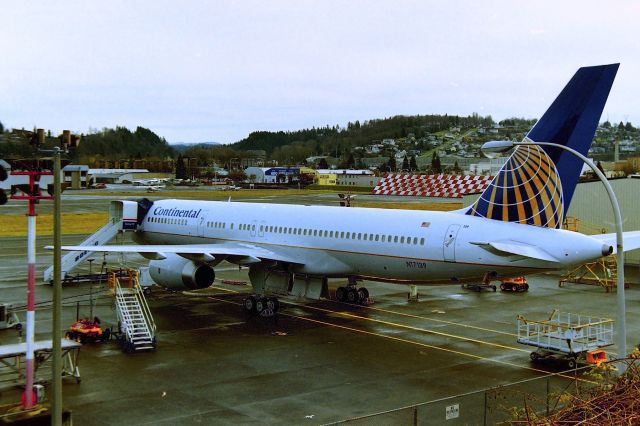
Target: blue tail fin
536,184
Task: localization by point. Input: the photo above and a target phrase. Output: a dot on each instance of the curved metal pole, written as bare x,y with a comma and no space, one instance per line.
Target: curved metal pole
621,326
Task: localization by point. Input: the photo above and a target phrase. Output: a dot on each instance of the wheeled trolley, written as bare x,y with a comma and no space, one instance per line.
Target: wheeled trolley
567,337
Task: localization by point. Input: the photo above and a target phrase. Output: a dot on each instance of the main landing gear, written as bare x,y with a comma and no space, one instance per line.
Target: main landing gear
261,305
353,295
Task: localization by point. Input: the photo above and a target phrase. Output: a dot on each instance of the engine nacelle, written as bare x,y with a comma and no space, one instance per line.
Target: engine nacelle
177,272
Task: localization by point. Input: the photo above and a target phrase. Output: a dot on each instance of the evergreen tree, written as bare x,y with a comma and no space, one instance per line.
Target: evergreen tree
391,164
436,166
181,170
1,127
322,164
413,166
405,164
351,162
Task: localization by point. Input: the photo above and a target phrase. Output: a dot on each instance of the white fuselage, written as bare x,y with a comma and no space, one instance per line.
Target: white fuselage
403,246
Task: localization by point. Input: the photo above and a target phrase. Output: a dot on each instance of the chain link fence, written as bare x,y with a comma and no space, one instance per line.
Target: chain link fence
500,404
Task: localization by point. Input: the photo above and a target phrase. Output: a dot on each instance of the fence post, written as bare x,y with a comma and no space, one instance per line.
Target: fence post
485,409
415,415
548,378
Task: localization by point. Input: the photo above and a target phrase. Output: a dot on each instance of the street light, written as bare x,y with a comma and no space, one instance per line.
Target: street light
494,148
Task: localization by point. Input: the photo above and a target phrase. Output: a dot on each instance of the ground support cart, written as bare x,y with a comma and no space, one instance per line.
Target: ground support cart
479,287
566,337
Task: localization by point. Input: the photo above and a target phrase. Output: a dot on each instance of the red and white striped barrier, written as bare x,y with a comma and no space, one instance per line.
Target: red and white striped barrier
445,186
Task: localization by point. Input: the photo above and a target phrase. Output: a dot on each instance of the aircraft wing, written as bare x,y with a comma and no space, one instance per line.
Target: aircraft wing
509,248
238,253
631,240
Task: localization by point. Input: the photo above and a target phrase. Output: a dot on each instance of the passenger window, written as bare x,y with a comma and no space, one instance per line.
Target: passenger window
395,239
359,235
342,234
415,240
304,232
315,232
402,240
365,237
421,241
348,235
383,238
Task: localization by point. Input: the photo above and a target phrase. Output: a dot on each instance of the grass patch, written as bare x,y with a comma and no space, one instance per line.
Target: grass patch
441,207
72,223
206,195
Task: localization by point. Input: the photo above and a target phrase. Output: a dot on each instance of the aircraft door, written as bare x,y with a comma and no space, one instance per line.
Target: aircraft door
449,243
263,226
254,228
202,223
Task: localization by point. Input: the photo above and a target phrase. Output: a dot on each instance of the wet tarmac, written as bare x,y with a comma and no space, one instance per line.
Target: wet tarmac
319,362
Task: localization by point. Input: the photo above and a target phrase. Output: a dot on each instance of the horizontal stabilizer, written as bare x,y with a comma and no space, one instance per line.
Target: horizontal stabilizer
630,240
509,247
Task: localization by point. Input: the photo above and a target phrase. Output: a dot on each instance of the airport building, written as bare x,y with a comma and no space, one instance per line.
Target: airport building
346,177
117,175
271,174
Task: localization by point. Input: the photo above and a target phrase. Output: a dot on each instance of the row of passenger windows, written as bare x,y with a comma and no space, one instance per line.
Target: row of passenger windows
385,238
168,220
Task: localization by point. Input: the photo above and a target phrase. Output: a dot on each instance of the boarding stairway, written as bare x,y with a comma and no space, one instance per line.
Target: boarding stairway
72,259
136,325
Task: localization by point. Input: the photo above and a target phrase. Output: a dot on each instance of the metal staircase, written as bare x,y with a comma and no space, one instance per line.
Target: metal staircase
137,327
73,258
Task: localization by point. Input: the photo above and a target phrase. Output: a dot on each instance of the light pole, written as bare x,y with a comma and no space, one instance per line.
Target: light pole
497,147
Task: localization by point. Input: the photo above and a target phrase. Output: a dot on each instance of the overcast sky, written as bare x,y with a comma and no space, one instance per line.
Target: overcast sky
214,71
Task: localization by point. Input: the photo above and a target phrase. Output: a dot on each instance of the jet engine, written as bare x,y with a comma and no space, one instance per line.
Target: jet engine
176,272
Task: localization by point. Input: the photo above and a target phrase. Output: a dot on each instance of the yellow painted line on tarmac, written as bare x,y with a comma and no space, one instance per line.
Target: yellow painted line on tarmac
458,324
400,339
409,327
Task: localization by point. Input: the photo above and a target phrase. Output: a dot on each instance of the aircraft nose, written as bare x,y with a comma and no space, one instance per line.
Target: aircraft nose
607,250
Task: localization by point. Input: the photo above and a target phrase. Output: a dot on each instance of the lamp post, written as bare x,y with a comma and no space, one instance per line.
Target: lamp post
497,147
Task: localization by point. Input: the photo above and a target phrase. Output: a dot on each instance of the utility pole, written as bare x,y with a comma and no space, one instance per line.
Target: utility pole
56,419
32,194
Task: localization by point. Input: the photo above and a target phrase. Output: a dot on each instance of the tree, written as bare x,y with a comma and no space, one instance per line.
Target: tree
351,162
322,164
456,168
1,127
181,170
391,164
413,166
405,164
436,167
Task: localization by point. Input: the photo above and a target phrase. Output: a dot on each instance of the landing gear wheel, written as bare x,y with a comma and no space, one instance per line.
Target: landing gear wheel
68,335
341,294
261,305
526,287
493,287
249,304
147,291
503,287
352,295
273,304
534,356
571,363
363,295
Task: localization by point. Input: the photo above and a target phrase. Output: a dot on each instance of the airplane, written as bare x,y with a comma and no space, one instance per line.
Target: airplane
513,229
